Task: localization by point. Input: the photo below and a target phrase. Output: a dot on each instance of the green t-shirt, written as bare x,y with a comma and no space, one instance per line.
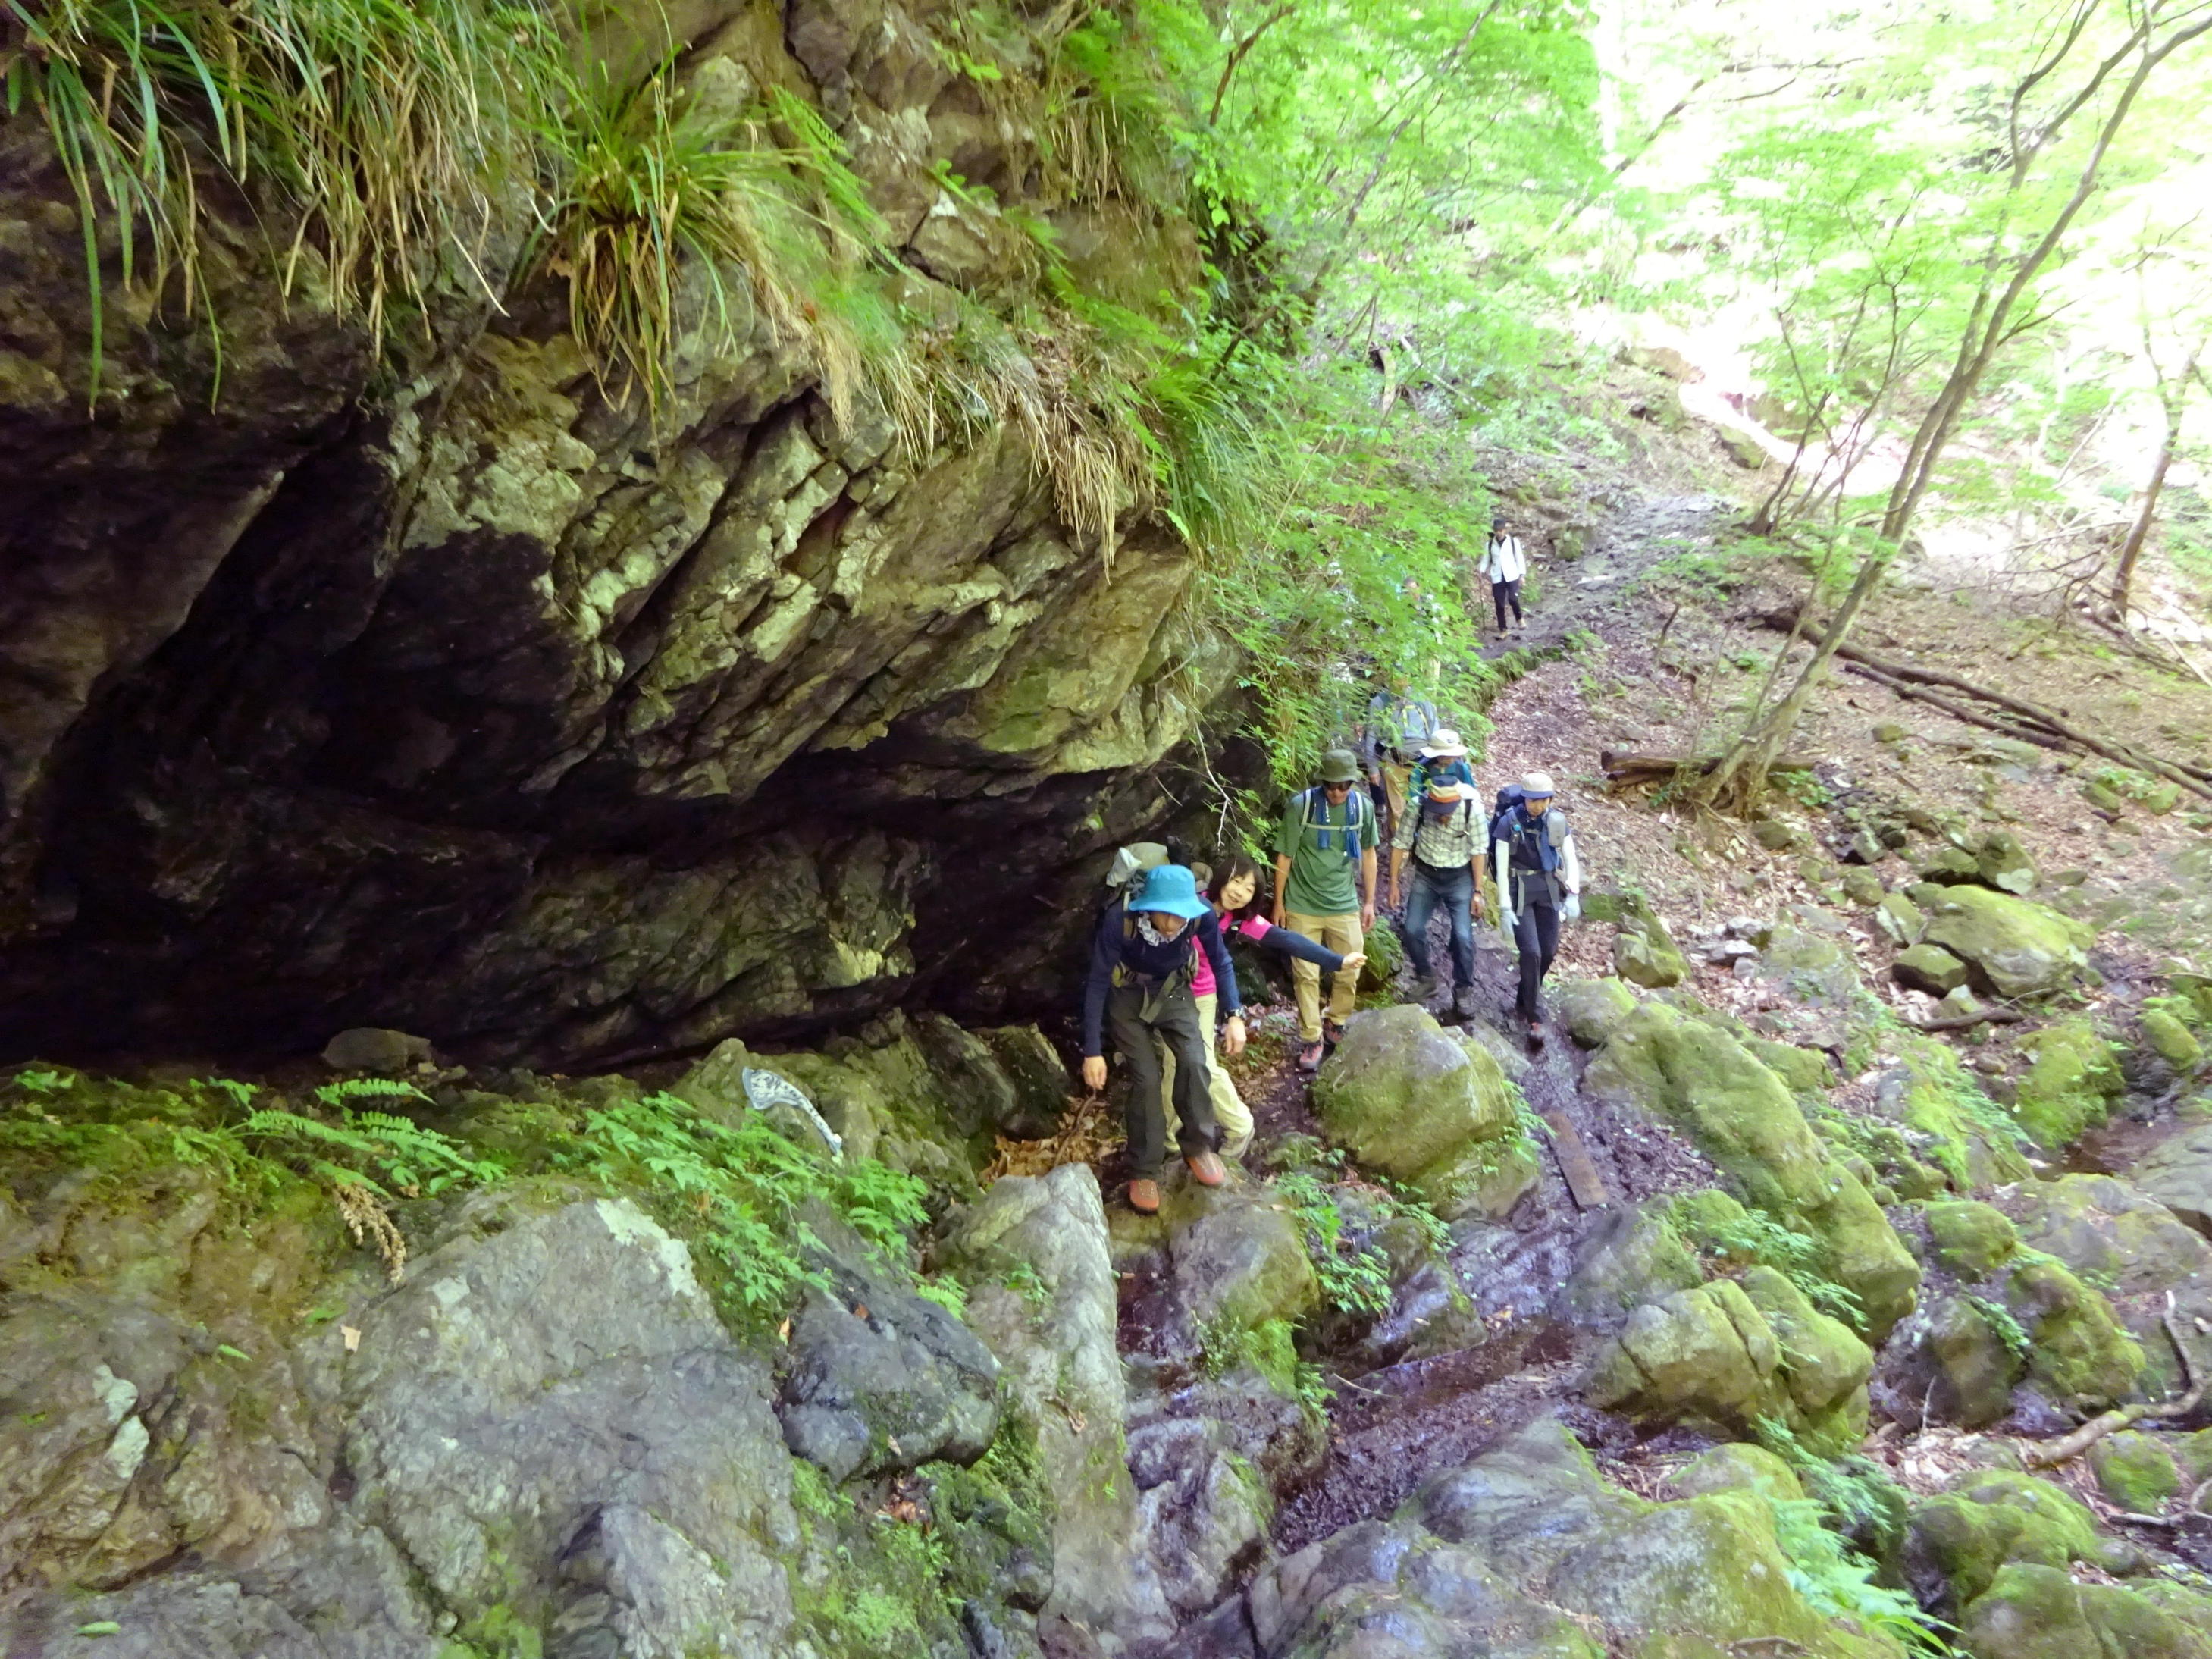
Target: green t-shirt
1325,879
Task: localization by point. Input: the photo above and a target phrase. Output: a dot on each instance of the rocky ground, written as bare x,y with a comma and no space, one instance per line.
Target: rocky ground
1739,1320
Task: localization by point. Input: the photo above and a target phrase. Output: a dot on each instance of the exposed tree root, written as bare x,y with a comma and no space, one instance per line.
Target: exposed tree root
2052,1454
1961,1022
1621,767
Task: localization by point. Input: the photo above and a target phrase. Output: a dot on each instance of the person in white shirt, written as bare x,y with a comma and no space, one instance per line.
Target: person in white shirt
1503,564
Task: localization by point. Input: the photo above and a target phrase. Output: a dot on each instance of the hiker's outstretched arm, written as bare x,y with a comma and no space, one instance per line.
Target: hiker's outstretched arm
1105,952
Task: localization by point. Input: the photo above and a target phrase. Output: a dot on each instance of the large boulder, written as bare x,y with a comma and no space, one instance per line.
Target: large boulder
1426,1107
1744,1118
1957,1543
2015,947
2042,1613
2178,1173
1728,1356
880,1379
1043,1296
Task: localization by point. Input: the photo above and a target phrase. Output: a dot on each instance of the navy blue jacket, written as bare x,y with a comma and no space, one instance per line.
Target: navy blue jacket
1110,949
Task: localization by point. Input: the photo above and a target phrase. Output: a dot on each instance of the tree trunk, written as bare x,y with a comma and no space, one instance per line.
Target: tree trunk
2131,550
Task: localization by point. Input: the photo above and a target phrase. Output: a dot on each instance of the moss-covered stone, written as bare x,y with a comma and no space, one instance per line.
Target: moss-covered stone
2172,1040
1976,1365
2072,1078
2134,1470
1928,968
2033,1612
1646,954
2016,947
1824,1364
1426,1107
1589,1009
1737,1466
1742,1117
1994,1519
1970,1239
1900,918
1806,1071
2077,1348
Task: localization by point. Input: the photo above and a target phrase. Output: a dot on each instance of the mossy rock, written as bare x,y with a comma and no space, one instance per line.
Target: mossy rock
1589,1009
1737,1468
1813,966
1646,956
2078,1349
1806,1071
2016,948
2040,1612
2072,1078
1975,1364
1928,968
2134,1470
2172,1040
1741,1115
1950,865
1824,1364
1994,1519
1970,1239
1957,1128
1862,887
1900,918
1425,1106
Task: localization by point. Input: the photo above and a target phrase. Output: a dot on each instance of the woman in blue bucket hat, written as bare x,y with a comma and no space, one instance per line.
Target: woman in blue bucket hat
1139,986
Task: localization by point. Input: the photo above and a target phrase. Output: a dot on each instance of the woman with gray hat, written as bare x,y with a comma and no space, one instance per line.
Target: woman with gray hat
1540,884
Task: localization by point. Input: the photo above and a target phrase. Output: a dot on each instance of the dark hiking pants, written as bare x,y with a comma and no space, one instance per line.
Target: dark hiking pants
1133,1013
1537,932
1447,890
1503,594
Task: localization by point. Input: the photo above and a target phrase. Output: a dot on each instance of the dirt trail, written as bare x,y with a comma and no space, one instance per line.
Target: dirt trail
1391,1428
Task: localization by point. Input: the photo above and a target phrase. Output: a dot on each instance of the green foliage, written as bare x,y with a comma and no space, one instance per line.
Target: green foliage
1355,1277
391,1156
734,1193
384,129
1747,1238
947,1292
1999,1318
1836,1583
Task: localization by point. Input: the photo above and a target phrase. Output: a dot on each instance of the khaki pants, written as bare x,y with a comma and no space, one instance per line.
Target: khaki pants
1230,1111
1397,781
1340,934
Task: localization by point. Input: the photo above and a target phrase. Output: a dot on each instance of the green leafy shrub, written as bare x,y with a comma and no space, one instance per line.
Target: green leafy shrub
1837,1583
734,1191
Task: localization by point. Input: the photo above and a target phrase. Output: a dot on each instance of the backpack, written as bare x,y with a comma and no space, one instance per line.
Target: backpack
1428,771
1522,834
1359,817
1131,861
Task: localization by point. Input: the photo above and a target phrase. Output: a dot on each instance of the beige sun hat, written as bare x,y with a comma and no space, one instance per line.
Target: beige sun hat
1444,746
1537,785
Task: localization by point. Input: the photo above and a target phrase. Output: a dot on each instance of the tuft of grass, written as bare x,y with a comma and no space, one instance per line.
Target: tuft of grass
383,129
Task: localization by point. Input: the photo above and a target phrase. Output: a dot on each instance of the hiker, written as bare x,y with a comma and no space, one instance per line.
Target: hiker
1539,885
1445,837
1397,724
1504,565
1442,756
1140,986
1325,860
1235,894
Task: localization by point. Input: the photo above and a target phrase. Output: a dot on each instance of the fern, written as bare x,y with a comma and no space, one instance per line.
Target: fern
1836,1583
389,1156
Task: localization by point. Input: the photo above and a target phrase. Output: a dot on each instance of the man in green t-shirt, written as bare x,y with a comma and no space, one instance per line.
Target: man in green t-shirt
1325,889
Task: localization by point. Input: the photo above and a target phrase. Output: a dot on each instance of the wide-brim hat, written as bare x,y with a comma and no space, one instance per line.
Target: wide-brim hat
1172,888
1537,785
1339,766
1443,745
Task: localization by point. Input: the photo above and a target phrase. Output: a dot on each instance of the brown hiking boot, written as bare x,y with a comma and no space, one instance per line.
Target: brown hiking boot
1535,1034
1309,1058
1206,1168
1145,1197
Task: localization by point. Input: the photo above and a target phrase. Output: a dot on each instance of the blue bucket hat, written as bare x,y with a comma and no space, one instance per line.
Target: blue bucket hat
1169,887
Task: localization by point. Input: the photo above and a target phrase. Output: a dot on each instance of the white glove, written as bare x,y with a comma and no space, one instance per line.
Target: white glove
1506,920
1573,909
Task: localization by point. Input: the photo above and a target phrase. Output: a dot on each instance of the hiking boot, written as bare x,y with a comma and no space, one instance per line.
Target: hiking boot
1422,989
1463,1002
1332,1033
1309,1058
1145,1197
1535,1034
1206,1168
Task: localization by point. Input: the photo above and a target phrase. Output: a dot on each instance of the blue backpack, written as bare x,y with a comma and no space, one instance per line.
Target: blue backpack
1532,842
1359,813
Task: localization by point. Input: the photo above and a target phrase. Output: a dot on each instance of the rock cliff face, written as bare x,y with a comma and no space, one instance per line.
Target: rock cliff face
445,693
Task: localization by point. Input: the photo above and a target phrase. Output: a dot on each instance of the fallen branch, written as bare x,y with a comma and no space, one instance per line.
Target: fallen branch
1960,1022
2034,723
1622,768
2053,1453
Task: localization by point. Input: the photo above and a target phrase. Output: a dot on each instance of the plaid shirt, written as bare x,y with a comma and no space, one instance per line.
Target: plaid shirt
1453,843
